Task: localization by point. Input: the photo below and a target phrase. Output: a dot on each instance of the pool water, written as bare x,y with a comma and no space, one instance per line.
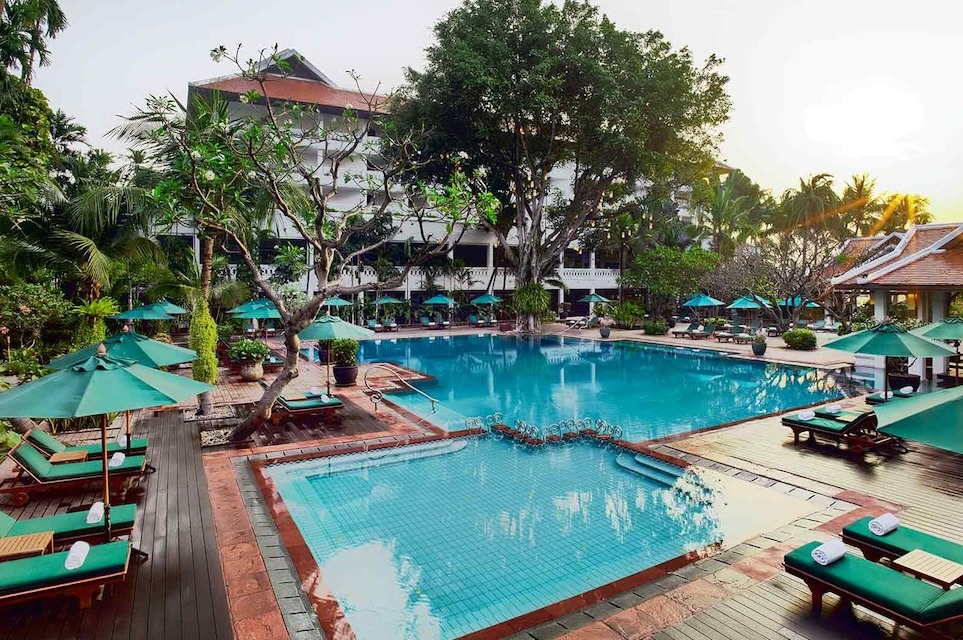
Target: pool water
472,532
651,391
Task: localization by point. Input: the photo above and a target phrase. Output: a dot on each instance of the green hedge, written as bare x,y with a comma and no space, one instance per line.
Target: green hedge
800,339
655,327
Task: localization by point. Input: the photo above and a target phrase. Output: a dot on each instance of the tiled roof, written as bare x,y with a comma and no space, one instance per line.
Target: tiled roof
296,90
925,256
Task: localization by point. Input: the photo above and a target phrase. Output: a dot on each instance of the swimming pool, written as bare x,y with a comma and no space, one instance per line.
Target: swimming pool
651,391
435,541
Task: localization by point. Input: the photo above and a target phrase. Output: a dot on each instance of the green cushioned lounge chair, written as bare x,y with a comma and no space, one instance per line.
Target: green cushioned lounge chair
37,475
736,330
391,324
51,445
860,433
44,576
374,325
68,527
693,326
877,398
899,542
426,323
898,596
707,331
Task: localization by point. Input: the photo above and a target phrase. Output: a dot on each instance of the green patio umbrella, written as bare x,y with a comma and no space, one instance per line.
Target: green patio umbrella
796,301
169,307
890,340
130,346
387,300
327,328
702,300
747,302
950,330
440,300
488,299
99,385
933,418
336,302
144,312
594,297
263,312
251,305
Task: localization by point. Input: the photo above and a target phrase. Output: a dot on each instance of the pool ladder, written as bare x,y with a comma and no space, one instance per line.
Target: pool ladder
377,395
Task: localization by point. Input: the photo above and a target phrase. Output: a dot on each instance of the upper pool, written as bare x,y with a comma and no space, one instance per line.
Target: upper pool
650,391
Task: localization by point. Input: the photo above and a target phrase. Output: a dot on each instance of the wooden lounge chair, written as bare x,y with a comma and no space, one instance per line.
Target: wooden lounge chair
305,405
69,527
693,327
877,398
426,323
37,475
898,543
802,323
735,330
49,445
391,325
441,322
44,576
374,325
859,432
744,338
819,325
916,604
706,332
474,321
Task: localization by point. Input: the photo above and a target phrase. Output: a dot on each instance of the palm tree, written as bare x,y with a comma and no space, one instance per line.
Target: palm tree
903,210
725,215
861,204
25,28
814,203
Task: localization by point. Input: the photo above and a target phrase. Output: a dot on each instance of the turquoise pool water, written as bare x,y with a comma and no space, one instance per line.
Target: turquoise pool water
649,390
480,530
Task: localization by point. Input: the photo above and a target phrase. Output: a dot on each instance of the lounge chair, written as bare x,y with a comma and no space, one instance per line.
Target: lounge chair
898,543
488,321
37,475
273,363
819,325
474,321
706,332
692,328
426,323
898,596
391,325
877,398
68,527
859,432
802,323
305,405
44,576
735,330
50,445
374,325
441,322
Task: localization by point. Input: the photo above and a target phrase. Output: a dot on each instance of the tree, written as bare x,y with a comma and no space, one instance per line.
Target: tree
25,27
217,165
862,205
903,210
290,264
527,91
813,203
668,273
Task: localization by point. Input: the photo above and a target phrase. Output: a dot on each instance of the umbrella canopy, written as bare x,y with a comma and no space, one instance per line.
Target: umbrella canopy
890,339
169,307
335,302
702,300
250,305
333,328
796,301
387,300
487,299
949,329
933,418
594,297
747,302
440,300
131,346
262,310
144,312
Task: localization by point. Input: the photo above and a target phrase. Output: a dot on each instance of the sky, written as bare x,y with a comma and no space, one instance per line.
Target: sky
840,87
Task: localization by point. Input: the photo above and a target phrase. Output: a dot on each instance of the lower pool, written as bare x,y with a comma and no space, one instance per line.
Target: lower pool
651,391
435,541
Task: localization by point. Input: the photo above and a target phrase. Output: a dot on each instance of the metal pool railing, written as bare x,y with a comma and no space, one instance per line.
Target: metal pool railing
376,395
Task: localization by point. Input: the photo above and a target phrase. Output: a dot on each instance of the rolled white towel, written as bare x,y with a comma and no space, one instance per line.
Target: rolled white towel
806,415
829,552
116,460
833,408
325,397
315,391
76,556
96,512
886,523
906,390
888,395
122,438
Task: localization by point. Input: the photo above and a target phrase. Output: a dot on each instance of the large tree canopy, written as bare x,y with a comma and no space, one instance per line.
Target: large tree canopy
568,113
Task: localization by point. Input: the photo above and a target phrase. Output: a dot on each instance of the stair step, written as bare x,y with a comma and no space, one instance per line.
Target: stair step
661,465
627,462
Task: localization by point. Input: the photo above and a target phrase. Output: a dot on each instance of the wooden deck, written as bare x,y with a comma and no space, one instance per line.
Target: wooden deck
179,591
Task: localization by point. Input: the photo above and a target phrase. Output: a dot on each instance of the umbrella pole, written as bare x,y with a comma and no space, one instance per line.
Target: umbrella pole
885,378
103,438
127,419
328,367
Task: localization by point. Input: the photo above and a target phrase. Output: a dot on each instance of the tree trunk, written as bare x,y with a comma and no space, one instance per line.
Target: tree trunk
22,425
262,410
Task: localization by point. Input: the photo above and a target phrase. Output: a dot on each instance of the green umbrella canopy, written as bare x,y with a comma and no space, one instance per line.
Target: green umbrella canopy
949,329
933,418
795,301
263,312
890,339
748,302
99,385
335,302
487,299
439,300
144,312
169,307
333,328
387,300
702,300
131,346
594,297
251,305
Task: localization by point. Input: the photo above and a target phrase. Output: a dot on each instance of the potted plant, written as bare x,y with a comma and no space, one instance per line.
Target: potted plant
759,345
249,354
605,326
344,357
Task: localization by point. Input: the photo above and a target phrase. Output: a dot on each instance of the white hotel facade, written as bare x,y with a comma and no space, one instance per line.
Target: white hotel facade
582,271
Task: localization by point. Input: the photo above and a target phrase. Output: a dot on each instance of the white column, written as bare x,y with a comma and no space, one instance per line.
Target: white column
490,264
880,305
592,262
922,309
938,303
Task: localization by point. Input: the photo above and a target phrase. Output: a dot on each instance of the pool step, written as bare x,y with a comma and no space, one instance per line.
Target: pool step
379,457
661,465
629,463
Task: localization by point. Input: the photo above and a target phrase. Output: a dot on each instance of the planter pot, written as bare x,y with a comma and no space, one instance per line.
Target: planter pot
900,380
671,323
759,349
251,370
506,325
345,376
605,332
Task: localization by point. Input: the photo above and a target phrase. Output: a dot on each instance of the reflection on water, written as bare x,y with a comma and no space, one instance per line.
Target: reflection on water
650,391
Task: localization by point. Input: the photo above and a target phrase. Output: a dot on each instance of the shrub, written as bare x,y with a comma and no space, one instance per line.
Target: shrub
203,340
93,329
24,364
800,339
655,327
344,352
625,314
254,350
760,338
531,298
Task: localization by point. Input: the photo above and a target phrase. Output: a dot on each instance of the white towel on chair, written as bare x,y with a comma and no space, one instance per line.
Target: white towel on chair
888,395
116,460
96,512
884,524
76,556
807,415
315,391
906,390
833,408
829,552
122,438
325,397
